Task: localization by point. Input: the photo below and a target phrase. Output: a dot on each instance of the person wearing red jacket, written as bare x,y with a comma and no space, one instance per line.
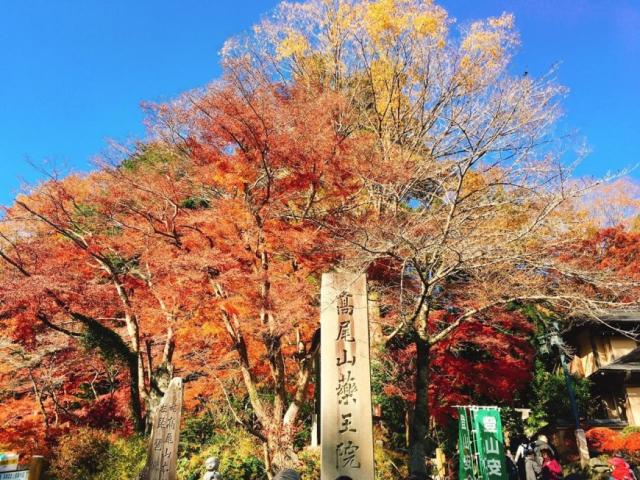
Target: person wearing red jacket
551,469
621,470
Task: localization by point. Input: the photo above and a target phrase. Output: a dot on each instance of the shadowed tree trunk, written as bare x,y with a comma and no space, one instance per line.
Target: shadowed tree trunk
420,420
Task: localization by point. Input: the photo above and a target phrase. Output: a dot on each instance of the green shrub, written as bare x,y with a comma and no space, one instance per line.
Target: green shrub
389,465
89,454
195,203
550,399
149,156
125,459
239,453
309,463
630,429
197,433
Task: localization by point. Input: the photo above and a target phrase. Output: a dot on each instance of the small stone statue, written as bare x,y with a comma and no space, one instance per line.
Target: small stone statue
212,464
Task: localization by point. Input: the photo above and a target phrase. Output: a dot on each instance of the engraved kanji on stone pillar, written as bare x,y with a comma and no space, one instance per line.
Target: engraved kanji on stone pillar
162,450
345,406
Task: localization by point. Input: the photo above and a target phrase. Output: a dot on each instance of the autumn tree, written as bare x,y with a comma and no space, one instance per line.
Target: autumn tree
53,389
199,237
67,269
612,204
357,134
102,260
614,249
488,360
465,198
260,166
203,231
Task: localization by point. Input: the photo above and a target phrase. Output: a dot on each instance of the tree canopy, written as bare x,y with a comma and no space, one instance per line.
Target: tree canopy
344,134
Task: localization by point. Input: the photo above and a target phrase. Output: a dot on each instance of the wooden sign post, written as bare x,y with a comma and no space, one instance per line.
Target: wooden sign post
162,451
345,387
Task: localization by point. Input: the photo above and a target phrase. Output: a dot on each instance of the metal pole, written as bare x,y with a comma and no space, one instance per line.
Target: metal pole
581,439
556,340
572,394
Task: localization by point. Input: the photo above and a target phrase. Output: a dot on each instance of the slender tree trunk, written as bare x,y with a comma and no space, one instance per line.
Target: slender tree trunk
419,427
277,426
36,391
93,385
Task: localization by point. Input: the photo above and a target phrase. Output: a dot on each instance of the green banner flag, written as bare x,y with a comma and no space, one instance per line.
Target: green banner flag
487,427
464,446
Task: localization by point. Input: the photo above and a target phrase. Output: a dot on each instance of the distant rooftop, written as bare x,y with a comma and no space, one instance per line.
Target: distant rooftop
627,363
622,317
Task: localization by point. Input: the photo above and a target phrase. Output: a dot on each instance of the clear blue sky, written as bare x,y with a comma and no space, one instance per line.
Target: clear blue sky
73,73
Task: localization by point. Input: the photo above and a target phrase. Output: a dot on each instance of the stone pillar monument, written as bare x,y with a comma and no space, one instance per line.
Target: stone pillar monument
345,411
162,450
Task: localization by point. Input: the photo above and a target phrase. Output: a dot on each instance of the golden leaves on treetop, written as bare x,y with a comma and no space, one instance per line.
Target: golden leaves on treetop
385,19
294,45
485,49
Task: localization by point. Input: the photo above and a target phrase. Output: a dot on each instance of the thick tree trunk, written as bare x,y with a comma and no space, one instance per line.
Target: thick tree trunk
159,378
134,388
419,427
280,450
110,343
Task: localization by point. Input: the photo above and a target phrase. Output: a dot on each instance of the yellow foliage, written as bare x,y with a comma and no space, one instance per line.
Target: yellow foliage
427,24
485,43
390,18
505,21
485,49
389,465
211,328
388,85
344,18
381,75
383,18
489,40
294,45
474,182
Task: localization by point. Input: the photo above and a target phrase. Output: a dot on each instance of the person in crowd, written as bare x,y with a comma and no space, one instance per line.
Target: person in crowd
532,467
287,474
523,444
634,467
620,469
551,469
542,443
512,470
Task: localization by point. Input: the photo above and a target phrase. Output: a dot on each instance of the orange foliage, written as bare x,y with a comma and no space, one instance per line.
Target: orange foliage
205,245
610,441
